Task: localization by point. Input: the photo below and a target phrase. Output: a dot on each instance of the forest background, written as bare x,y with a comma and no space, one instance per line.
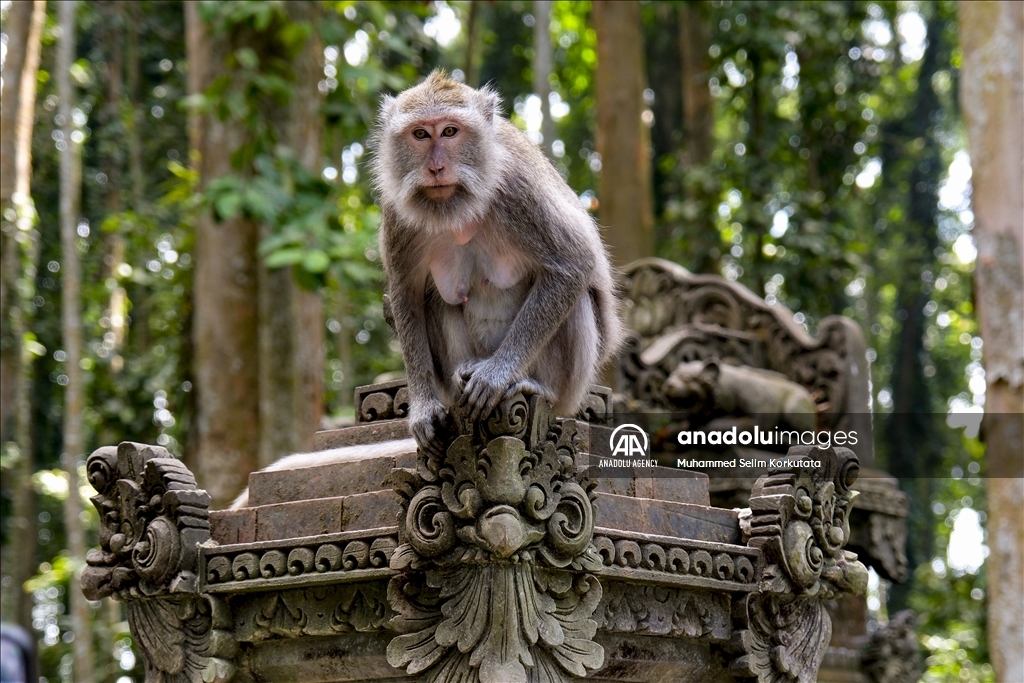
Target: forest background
189,237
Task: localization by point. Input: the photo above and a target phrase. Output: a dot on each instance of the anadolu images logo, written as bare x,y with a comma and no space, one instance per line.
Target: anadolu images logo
629,441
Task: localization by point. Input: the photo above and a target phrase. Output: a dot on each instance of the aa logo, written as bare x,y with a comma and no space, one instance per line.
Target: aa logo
629,441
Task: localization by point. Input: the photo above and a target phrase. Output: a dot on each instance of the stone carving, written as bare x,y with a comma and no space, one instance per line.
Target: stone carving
714,390
799,519
152,520
665,611
383,401
496,546
261,566
679,317
315,611
892,653
723,565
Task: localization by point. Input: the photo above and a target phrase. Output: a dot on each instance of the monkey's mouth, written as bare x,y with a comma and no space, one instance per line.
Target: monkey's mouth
439,193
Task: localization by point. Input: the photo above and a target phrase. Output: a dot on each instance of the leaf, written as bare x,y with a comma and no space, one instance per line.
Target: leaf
226,206
316,261
285,257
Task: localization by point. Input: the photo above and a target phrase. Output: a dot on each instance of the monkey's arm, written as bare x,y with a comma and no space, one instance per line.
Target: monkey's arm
564,261
406,287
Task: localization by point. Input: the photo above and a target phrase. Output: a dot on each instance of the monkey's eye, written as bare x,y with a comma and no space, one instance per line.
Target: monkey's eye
449,132
420,134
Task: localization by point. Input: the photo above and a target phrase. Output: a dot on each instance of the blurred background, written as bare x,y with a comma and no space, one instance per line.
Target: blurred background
190,260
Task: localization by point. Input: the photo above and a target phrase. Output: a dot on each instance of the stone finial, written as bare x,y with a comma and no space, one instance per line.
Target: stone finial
495,550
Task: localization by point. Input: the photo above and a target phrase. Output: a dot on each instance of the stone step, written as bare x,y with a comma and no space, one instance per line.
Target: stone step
326,481
296,519
360,434
667,518
661,483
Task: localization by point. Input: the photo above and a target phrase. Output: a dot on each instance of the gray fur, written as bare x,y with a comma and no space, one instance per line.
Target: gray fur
505,284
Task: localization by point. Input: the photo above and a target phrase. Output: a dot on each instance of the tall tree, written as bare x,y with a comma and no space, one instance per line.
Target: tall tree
71,319
623,138
542,69
992,95
258,334
17,214
911,432
291,318
226,298
698,135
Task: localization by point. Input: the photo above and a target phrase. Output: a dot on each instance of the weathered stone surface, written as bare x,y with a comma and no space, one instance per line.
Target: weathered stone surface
668,518
370,510
301,518
325,481
646,659
233,526
507,564
375,432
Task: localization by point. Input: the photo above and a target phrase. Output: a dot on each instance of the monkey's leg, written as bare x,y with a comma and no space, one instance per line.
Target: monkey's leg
570,361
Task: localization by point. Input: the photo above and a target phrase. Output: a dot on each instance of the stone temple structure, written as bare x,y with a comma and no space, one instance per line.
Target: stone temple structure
516,557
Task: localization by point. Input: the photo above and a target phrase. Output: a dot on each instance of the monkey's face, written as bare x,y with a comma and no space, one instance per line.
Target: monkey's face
436,155
436,149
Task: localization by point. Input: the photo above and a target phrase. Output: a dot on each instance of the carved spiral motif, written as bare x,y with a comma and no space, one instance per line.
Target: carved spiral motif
572,525
376,406
102,469
430,525
273,563
510,418
157,554
804,557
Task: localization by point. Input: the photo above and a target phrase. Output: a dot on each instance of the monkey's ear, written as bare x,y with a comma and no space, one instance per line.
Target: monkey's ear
388,109
711,370
490,103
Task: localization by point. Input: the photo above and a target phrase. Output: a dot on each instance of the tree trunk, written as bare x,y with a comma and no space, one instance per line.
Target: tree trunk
698,135
911,429
24,27
542,69
623,139
259,337
472,38
225,328
291,318
992,96
71,327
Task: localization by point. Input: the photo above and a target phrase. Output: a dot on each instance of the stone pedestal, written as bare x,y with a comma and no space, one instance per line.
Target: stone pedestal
509,559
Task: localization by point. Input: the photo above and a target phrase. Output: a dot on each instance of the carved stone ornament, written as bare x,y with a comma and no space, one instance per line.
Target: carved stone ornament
152,521
892,653
495,550
799,519
678,317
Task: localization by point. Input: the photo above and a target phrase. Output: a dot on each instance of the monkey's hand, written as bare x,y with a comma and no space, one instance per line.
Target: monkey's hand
426,422
484,386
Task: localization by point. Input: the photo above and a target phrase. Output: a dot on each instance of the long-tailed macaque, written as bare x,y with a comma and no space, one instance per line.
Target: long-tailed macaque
497,277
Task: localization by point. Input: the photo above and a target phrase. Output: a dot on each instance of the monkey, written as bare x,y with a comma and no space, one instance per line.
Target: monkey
497,278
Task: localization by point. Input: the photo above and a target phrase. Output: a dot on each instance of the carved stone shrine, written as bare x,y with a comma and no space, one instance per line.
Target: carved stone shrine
512,558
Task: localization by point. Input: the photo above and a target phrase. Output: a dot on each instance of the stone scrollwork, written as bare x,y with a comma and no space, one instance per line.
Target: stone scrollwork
495,546
152,520
799,519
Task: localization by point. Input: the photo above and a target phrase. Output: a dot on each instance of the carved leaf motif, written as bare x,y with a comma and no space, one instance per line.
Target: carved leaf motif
172,635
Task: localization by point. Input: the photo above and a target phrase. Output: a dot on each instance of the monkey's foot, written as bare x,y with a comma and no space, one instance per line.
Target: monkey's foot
484,387
426,422
530,387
